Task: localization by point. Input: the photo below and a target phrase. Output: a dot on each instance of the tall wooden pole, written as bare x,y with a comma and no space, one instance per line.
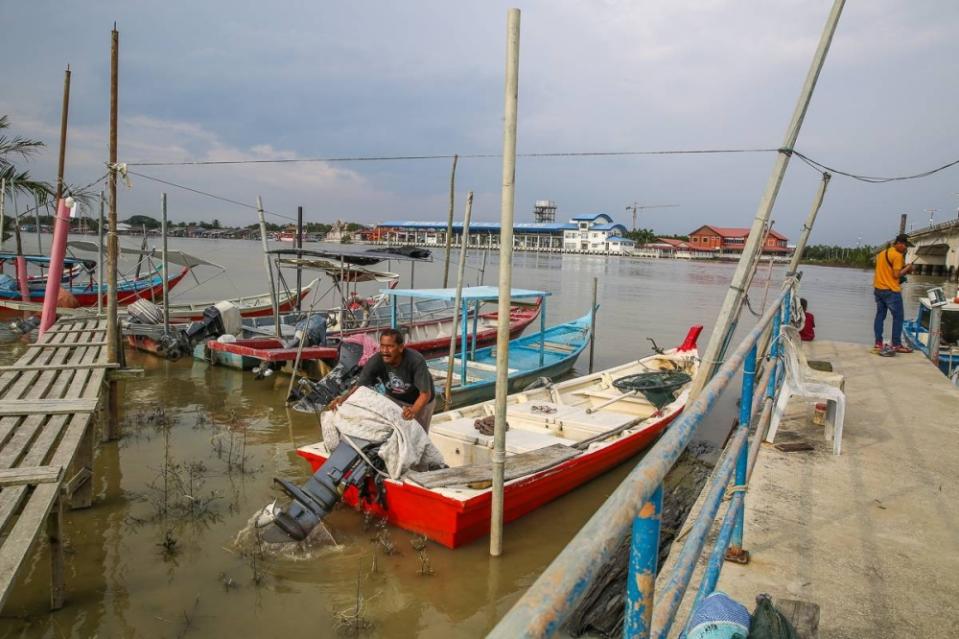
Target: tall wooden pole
449,224
902,223
299,269
807,225
64,115
505,278
461,271
166,280
592,325
3,201
714,352
112,430
100,256
268,266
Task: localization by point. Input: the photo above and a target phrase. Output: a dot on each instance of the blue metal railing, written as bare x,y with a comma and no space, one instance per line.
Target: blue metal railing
636,504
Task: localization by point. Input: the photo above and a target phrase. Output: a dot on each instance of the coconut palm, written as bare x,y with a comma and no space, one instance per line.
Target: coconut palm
19,148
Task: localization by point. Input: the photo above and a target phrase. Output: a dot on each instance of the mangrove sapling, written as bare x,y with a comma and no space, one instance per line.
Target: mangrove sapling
353,621
419,545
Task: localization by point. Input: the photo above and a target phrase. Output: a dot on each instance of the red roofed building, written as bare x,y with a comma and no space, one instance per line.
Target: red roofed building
724,240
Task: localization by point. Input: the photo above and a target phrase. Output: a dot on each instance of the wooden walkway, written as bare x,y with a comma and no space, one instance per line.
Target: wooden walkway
49,400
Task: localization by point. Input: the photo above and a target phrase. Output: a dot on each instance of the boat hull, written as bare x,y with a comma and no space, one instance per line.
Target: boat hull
253,351
454,523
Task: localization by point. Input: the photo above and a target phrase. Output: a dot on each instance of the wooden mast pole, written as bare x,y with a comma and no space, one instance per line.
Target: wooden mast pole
505,278
449,224
726,320
457,311
112,430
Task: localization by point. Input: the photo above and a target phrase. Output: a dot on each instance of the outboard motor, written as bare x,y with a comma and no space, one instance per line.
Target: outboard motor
310,394
314,500
220,319
308,332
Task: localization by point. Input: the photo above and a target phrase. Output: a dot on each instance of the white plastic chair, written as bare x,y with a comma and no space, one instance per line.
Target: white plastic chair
802,381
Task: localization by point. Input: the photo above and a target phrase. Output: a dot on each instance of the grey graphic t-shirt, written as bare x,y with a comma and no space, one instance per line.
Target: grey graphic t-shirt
403,383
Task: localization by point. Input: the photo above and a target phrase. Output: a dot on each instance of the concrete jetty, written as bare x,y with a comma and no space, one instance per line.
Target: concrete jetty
871,536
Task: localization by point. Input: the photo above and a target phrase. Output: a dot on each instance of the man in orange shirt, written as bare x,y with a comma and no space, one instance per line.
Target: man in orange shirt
887,289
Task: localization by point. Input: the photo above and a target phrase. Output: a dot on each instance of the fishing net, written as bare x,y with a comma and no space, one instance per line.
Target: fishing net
659,387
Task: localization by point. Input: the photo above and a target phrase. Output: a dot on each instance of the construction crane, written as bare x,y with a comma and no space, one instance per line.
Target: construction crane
637,207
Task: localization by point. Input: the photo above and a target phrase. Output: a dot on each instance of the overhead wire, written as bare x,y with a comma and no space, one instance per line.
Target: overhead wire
870,179
449,156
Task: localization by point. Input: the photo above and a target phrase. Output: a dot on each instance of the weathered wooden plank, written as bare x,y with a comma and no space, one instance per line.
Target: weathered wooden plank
55,540
32,384
125,373
29,475
58,367
13,384
44,497
29,449
23,534
74,345
516,466
46,406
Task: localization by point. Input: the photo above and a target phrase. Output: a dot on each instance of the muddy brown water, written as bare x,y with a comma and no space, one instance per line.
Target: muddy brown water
137,569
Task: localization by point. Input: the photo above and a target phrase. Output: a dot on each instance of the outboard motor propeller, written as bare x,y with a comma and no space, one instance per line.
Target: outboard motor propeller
315,499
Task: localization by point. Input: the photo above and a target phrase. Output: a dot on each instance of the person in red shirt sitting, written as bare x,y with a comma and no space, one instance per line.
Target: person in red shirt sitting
808,330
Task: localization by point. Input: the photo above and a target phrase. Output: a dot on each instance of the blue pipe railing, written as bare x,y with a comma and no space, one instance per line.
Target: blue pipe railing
636,504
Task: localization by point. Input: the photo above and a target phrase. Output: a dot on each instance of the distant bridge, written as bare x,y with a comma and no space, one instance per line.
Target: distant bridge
936,249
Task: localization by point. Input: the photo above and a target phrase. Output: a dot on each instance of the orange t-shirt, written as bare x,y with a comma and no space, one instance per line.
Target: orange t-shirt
886,262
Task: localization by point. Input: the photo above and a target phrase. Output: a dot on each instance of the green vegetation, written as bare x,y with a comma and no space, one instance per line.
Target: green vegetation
858,257
641,236
19,148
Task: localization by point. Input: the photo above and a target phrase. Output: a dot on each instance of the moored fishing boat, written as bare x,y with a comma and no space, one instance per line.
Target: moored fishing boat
916,332
559,437
544,354
148,288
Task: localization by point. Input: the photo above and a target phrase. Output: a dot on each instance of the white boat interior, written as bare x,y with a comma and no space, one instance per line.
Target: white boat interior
579,415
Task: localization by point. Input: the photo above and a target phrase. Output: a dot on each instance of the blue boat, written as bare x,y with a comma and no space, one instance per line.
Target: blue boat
916,333
550,353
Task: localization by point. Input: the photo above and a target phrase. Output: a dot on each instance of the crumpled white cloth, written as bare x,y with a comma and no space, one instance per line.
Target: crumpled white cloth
373,417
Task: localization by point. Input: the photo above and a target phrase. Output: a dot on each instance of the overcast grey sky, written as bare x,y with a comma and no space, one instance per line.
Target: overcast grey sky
238,80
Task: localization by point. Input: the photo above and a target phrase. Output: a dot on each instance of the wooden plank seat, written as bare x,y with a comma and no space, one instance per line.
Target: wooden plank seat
47,410
517,440
516,466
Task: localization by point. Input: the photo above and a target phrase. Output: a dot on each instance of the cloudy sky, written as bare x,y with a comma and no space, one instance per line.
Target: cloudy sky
252,80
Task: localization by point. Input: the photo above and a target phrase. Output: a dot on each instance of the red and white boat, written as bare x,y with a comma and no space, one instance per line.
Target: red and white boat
559,438
431,337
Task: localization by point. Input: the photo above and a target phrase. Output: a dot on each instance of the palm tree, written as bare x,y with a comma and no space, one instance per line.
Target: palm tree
22,149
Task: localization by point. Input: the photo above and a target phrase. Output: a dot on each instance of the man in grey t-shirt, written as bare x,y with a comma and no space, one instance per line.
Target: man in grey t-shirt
405,376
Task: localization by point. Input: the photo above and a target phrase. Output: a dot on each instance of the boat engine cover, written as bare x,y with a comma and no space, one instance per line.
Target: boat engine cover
230,316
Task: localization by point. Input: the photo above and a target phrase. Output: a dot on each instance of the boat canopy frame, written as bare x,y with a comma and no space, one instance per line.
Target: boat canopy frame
474,296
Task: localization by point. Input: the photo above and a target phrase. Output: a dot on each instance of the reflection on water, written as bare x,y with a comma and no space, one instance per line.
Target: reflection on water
155,558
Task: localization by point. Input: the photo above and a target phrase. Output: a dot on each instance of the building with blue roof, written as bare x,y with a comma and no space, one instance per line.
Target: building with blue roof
585,233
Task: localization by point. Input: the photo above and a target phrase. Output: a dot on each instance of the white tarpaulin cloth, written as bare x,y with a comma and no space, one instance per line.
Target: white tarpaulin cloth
371,416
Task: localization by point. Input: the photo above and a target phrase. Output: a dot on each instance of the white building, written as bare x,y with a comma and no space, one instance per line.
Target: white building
595,233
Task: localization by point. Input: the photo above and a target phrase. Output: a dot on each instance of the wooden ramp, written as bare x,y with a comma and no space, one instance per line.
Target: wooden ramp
48,401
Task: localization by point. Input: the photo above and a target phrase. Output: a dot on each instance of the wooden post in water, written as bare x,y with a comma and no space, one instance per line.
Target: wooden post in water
299,269
505,278
448,389
592,325
166,281
3,200
714,352
112,428
449,224
268,266
902,223
100,258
